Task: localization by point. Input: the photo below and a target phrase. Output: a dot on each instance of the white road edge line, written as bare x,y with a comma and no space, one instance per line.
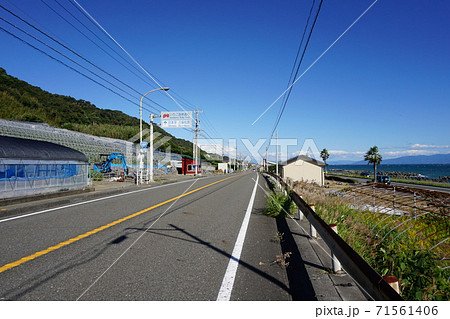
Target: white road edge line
230,273
91,201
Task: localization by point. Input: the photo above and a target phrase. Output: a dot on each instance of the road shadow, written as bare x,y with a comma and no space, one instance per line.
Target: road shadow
241,262
300,285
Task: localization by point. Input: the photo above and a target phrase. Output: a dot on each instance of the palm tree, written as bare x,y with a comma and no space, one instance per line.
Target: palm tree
373,157
324,155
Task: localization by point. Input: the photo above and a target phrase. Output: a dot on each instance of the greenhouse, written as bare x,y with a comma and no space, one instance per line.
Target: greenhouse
30,167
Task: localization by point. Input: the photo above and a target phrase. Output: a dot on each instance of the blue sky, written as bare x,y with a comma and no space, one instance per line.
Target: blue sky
386,82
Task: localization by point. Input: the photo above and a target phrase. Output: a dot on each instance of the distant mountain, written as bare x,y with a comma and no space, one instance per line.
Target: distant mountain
420,159
417,159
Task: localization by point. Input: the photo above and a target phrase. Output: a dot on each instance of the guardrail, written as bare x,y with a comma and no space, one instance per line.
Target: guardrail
353,263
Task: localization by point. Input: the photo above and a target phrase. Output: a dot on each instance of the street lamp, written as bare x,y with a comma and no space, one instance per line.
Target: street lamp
140,110
141,155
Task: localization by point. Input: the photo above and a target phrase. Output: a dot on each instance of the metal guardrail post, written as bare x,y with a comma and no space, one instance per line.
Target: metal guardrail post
311,227
300,214
353,263
336,265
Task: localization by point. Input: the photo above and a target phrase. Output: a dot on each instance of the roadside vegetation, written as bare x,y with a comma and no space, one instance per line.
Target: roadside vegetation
411,251
407,252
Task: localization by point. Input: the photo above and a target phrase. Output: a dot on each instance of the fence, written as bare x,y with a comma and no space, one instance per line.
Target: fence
399,200
405,208
353,264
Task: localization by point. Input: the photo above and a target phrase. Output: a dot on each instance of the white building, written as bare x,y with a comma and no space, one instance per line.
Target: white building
223,167
304,169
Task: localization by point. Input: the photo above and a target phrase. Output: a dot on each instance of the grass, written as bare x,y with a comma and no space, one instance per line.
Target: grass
405,252
279,205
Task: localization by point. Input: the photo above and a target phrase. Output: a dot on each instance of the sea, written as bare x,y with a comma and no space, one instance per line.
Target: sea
427,170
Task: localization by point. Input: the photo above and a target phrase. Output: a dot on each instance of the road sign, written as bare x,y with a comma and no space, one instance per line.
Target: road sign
176,119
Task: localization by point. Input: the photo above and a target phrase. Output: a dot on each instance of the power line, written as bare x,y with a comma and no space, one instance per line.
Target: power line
59,42
129,55
298,66
72,51
315,61
93,42
59,61
297,55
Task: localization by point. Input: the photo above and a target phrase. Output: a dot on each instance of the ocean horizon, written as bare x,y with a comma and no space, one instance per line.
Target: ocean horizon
427,170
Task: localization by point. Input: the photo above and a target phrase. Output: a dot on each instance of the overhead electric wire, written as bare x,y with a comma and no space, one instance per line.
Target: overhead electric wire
151,76
63,63
129,55
78,55
68,66
291,78
315,61
93,42
74,52
298,67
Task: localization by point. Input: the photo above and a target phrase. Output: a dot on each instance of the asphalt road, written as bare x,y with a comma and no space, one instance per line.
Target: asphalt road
172,242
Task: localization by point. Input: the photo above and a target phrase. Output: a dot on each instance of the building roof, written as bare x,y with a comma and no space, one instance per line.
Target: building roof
303,158
19,148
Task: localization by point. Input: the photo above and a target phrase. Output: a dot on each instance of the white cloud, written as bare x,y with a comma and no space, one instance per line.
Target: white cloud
218,148
344,153
424,146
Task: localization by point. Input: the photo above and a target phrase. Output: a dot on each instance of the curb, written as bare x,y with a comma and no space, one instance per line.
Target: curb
60,199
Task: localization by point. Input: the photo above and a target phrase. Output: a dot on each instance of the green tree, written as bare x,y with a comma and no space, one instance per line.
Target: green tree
324,155
373,157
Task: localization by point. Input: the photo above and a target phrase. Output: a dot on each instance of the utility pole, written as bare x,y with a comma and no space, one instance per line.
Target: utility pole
276,151
141,151
195,147
150,161
266,165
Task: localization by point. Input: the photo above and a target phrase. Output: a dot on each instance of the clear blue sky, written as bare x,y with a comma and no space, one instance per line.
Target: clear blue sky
386,82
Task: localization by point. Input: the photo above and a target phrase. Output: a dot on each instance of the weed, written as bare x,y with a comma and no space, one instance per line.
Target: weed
281,259
279,205
279,237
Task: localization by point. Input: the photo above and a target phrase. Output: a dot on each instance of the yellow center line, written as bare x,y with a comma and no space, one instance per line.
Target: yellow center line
92,232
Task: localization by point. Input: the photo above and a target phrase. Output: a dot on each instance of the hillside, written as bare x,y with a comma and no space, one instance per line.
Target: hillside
23,102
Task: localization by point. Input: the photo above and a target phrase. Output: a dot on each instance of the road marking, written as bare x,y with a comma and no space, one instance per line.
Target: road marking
90,201
92,232
129,247
230,273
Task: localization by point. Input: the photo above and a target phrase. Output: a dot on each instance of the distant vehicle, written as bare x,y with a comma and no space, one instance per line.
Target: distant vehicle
105,166
385,179
365,174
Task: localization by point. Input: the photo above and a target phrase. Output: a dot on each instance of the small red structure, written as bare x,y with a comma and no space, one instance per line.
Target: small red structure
188,166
